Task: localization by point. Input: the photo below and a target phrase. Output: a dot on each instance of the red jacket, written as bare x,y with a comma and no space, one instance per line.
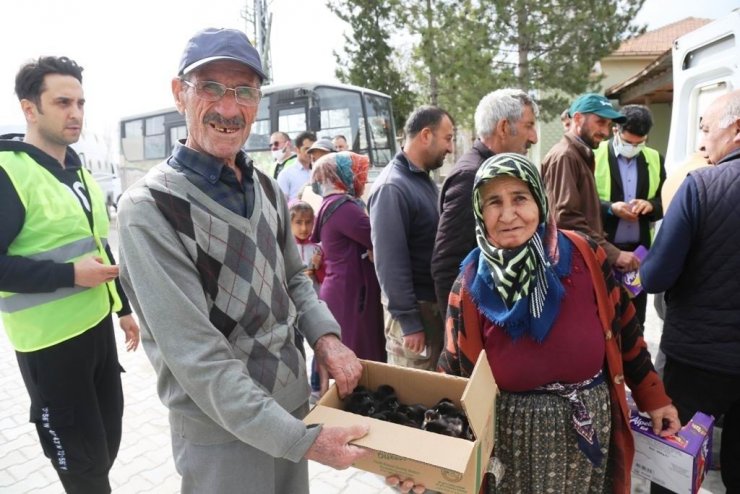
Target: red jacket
624,344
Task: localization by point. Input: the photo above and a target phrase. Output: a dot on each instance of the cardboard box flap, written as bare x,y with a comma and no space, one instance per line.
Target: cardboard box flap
426,447
478,399
426,388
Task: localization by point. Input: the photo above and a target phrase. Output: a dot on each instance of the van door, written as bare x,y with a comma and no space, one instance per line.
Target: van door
705,66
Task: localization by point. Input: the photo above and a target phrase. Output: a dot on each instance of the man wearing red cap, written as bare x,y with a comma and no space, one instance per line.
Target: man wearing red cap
219,287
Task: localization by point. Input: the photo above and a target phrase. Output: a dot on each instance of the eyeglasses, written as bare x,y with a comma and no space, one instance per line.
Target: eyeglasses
214,91
275,145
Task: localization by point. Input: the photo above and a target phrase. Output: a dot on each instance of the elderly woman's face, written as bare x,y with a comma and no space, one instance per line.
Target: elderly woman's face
510,212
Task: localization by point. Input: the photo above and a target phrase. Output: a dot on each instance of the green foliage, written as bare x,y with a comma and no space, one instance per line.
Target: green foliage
456,61
463,49
369,61
555,43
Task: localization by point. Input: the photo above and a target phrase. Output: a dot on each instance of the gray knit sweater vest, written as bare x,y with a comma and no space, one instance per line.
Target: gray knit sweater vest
241,265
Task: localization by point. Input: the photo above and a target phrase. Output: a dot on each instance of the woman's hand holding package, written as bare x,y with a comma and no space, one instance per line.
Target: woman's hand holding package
665,420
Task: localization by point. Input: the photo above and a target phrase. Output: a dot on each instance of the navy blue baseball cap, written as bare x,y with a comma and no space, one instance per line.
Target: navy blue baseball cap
598,104
213,44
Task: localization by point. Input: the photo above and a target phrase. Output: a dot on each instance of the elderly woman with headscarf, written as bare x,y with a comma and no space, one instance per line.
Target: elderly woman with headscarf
342,225
561,338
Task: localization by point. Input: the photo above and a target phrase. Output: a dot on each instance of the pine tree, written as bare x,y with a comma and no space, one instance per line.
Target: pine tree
554,44
369,60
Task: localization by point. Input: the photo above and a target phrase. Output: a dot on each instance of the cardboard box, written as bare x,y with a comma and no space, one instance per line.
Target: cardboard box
442,463
678,462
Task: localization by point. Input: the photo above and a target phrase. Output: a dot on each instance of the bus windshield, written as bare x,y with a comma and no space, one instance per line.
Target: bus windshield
364,117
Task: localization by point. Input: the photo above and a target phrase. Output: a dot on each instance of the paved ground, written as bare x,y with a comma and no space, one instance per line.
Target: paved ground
144,464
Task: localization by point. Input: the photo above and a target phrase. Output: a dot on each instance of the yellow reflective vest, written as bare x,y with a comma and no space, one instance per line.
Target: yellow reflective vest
602,173
55,228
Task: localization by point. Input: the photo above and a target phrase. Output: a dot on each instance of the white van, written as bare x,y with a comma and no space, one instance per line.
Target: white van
706,64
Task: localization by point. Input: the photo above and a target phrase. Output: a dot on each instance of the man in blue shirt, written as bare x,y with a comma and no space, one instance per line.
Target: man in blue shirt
296,175
695,260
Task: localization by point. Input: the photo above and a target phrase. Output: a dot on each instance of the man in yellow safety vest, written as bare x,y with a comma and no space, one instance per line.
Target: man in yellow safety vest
58,281
629,178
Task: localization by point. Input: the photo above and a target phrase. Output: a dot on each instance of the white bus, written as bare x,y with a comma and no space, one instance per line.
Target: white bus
363,116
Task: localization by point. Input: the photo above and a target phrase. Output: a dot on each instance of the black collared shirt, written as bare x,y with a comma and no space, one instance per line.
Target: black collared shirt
217,180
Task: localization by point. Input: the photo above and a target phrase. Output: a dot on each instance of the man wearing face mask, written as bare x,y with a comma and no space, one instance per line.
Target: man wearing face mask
283,153
629,178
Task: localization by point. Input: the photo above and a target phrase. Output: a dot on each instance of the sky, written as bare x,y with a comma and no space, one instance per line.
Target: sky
131,49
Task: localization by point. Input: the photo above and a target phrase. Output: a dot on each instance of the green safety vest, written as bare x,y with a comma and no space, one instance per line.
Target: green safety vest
602,173
55,228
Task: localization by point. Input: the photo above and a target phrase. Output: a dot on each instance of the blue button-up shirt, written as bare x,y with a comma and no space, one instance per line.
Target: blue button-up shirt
215,179
627,231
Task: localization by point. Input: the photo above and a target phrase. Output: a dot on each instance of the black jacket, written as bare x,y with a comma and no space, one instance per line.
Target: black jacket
456,231
643,186
702,323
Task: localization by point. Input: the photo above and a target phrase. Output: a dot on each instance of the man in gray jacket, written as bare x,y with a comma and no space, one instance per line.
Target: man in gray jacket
506,122
404,217
218,284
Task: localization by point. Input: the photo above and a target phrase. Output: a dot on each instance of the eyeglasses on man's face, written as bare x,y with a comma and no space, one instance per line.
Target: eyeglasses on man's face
214,91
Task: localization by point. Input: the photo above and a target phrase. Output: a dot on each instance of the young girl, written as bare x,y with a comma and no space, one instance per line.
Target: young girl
301,224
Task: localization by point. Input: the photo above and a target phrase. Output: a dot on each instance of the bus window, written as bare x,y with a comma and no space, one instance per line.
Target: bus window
341,113
259,135
292,121
154,144
132,140
335,122
380,120
176,133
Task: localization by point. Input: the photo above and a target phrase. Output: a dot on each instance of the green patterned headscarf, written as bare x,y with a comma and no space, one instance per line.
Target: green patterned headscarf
520,271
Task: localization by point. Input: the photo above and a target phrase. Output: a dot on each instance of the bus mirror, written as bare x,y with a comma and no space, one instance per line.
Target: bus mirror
314,118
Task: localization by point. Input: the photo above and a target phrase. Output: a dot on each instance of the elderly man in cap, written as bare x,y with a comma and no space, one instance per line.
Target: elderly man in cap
218,284
568,173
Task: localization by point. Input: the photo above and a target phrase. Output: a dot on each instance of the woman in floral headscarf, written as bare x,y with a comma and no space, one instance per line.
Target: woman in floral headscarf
561,338
350,287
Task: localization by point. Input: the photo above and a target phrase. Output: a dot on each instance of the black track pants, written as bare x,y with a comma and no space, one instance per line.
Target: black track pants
77,406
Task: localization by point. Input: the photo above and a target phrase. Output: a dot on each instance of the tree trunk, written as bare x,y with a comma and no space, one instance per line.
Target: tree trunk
431,62
522,48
